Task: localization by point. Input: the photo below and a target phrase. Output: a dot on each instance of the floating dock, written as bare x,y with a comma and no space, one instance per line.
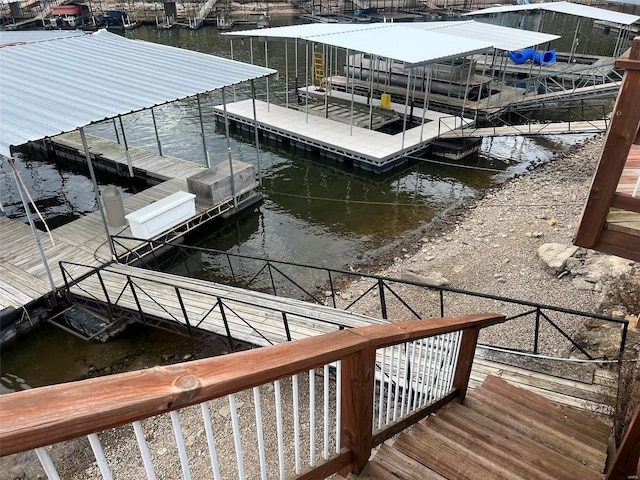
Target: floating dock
23,276
335,135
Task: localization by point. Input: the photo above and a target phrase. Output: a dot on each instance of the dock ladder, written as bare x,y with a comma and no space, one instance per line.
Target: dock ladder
319,70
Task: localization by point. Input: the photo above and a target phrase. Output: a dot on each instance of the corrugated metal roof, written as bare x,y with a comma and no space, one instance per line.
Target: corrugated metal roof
502,38
567,8
393,39
31,36
408,45
57,86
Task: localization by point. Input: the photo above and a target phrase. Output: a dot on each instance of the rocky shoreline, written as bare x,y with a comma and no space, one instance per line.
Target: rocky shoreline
509,242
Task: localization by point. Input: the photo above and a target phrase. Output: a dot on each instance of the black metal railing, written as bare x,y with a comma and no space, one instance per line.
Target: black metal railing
544,327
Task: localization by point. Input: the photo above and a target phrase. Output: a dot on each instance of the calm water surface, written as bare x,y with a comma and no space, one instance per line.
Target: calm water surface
313,212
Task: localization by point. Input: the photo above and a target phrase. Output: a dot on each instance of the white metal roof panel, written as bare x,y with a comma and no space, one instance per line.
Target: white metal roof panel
388,40
425,46
567,8
30,36
57,86
502,38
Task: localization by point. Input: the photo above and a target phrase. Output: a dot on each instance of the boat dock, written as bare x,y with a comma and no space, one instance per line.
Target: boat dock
23,276
330,131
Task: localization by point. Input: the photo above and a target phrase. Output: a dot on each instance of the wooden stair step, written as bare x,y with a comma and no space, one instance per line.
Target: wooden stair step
404,466
577,420
537,416
558,466
540,433
375,471
448,458
486,443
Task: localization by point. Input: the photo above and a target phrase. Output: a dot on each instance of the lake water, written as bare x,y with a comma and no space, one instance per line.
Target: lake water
313,212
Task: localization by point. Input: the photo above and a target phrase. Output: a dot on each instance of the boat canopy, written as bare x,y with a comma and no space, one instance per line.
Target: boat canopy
56,86
567,8
388,40
399,41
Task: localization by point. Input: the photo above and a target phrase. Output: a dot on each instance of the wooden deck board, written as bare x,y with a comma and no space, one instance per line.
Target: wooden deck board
500,431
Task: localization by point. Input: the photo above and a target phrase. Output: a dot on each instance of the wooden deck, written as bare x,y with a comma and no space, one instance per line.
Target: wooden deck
23,277
500,431
112,156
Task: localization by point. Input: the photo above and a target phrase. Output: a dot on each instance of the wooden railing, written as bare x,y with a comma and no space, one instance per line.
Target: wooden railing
386,378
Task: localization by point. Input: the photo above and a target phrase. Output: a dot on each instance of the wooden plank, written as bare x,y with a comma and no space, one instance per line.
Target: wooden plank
554,412
407,468
448,458
548,459
535,428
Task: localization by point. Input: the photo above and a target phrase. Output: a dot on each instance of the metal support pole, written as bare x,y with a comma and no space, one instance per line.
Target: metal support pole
226,129
234,86
371,63
204,141
266,65
574,45
126,147
286,74
406,107
45,263
306,101
96,191
155,128
255,131
115,127
353,79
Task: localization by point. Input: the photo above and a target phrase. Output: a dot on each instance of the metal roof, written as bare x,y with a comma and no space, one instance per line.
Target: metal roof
50,87
436,41
408,45
30,36
502,38
567,8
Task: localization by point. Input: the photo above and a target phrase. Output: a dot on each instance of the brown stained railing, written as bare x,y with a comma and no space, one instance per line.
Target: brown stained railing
44,416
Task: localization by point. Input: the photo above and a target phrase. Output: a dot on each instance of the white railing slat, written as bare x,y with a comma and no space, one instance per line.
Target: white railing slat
47,464
94,441
208,428
144,450
260,433
182,451
236,434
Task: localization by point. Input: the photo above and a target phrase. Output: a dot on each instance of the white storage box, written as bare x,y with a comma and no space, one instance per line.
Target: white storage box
162,215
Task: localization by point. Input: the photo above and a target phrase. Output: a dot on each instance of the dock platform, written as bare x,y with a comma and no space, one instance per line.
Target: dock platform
23,276
368,149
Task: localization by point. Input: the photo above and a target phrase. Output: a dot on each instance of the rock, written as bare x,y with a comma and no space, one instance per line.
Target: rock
432,278
554,256
581,284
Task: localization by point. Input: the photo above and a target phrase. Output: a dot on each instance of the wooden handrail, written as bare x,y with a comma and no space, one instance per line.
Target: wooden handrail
47,415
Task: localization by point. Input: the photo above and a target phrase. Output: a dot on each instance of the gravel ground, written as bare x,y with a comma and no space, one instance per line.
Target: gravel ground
489,247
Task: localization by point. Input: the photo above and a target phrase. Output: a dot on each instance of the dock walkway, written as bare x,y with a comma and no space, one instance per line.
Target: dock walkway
551,128
262,319
23,276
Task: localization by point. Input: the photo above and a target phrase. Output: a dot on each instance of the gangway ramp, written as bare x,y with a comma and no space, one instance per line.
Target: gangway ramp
196,305
552,128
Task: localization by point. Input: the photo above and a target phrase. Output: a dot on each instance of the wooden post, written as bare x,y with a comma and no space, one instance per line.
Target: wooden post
465,361
625,462
357,407
622,133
